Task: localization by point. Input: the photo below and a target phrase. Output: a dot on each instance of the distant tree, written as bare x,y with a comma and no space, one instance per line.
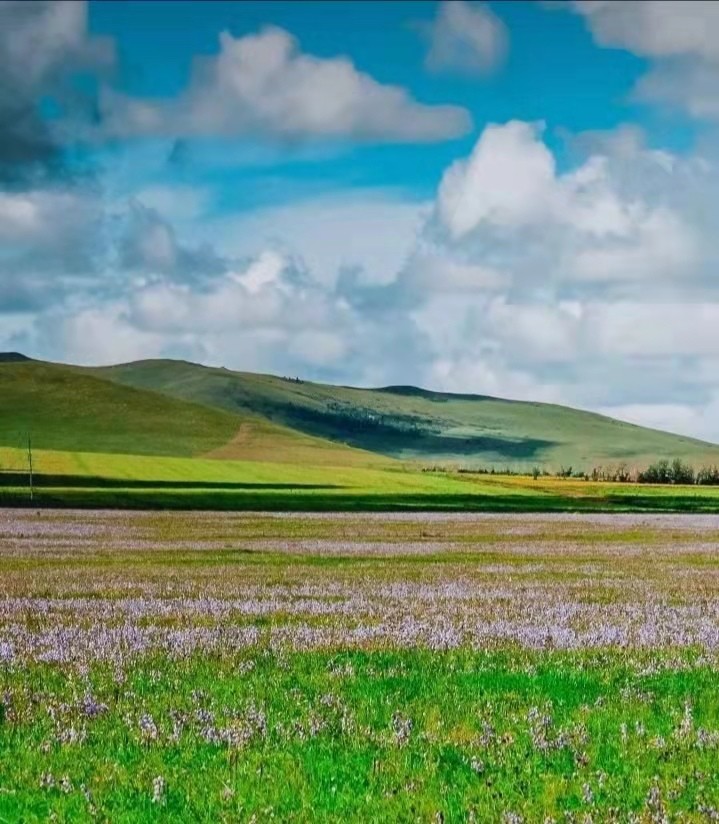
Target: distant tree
622,473
708,476
656,473
681,473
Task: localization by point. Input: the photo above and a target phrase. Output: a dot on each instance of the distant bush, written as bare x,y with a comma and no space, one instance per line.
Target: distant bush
656,473
708,476
682,473
662,472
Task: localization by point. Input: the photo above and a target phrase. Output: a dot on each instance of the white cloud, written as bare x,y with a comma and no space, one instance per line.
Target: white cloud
682,38
175,202
508,199
651,329
102,335
660,245
537,331
428,272
507,180
149,245
41,45
695,421
467,38
692,85
41,216
230,320
655,28
263,84
486,376
371,231
254,297
49,244
270,296
319,348
592,285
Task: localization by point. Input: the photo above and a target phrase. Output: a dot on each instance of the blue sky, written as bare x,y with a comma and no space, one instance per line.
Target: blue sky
509,198
553,72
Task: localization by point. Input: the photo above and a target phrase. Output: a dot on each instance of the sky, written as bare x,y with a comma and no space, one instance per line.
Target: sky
514,199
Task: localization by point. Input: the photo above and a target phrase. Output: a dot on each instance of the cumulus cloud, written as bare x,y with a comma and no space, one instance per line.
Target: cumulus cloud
668,329
368,232
149,245
42,217
51,243
467,38
430,271
591,285
263,84
680,36
697,421
42,44
655,28
508,199
602,284
507,180
267,315
100,335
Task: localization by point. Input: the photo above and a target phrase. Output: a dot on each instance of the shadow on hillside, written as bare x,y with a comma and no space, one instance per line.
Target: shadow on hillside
42,481
429,443
402,435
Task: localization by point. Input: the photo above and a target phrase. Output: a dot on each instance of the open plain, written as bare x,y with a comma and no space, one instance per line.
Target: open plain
408,666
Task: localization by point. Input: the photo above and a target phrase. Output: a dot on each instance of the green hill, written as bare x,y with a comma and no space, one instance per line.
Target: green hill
180,409
416,424
63,409
71,409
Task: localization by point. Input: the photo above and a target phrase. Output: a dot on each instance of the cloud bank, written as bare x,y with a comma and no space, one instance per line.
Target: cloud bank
591,282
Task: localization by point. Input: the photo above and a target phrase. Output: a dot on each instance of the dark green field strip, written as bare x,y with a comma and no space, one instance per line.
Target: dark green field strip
299,498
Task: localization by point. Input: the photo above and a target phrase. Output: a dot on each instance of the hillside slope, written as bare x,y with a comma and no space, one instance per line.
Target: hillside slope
62,409
70,409
411,423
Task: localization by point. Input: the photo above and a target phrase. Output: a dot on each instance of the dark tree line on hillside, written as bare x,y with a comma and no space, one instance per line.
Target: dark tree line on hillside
353,419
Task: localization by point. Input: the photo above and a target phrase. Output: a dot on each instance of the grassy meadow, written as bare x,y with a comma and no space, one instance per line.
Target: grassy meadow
96,479
333,633
406,667
175,435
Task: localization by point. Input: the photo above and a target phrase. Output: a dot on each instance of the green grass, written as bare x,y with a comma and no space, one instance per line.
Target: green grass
66,409
430,427
98,442
90,479
398,737
389,727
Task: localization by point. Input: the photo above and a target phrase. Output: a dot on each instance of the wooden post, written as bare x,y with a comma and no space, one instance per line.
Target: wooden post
29,466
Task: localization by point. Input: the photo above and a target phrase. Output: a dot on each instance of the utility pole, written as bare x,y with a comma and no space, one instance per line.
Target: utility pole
29,466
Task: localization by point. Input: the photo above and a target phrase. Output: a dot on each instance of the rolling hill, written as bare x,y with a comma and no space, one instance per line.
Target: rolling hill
184,410
72,410
414,424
